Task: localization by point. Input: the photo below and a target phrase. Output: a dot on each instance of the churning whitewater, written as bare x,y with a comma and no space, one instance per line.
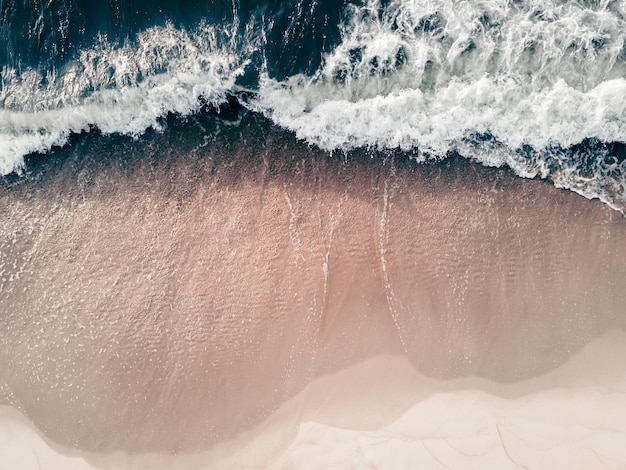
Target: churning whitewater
536,85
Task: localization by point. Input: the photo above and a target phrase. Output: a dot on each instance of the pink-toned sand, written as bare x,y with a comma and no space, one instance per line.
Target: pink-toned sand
382,413
173,309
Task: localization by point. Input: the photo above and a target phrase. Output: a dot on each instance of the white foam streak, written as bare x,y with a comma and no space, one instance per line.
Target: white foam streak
426,74
117,90
408,118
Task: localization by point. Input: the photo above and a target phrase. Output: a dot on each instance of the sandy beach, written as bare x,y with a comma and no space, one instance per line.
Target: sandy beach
168,305
382,413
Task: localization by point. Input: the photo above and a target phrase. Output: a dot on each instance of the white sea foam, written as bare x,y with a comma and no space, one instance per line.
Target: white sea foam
436,122
428,76
428,73
432,76
115,89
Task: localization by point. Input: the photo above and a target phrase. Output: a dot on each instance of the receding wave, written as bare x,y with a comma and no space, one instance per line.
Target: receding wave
537,86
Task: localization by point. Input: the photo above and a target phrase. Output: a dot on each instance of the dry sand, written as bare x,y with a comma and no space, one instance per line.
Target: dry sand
572,417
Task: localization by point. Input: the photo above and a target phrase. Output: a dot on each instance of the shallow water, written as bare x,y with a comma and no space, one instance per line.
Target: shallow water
169,297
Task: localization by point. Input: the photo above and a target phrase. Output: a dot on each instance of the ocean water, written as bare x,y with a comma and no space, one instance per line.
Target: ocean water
312,234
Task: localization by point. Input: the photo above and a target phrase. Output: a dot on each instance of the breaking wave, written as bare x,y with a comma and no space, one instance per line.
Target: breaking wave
537,86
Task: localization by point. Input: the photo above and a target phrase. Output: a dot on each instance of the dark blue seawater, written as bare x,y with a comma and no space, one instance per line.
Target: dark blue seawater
49,35
536,86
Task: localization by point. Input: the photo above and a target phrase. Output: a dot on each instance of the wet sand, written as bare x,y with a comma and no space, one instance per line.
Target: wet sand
166,299
382,413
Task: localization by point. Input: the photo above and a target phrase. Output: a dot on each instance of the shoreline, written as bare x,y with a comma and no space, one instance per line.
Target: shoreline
204,287
567,415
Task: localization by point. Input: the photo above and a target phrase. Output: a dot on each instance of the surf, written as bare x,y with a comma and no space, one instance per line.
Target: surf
539,89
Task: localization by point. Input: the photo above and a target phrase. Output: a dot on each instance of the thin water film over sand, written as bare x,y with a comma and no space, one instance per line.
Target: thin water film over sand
245,300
